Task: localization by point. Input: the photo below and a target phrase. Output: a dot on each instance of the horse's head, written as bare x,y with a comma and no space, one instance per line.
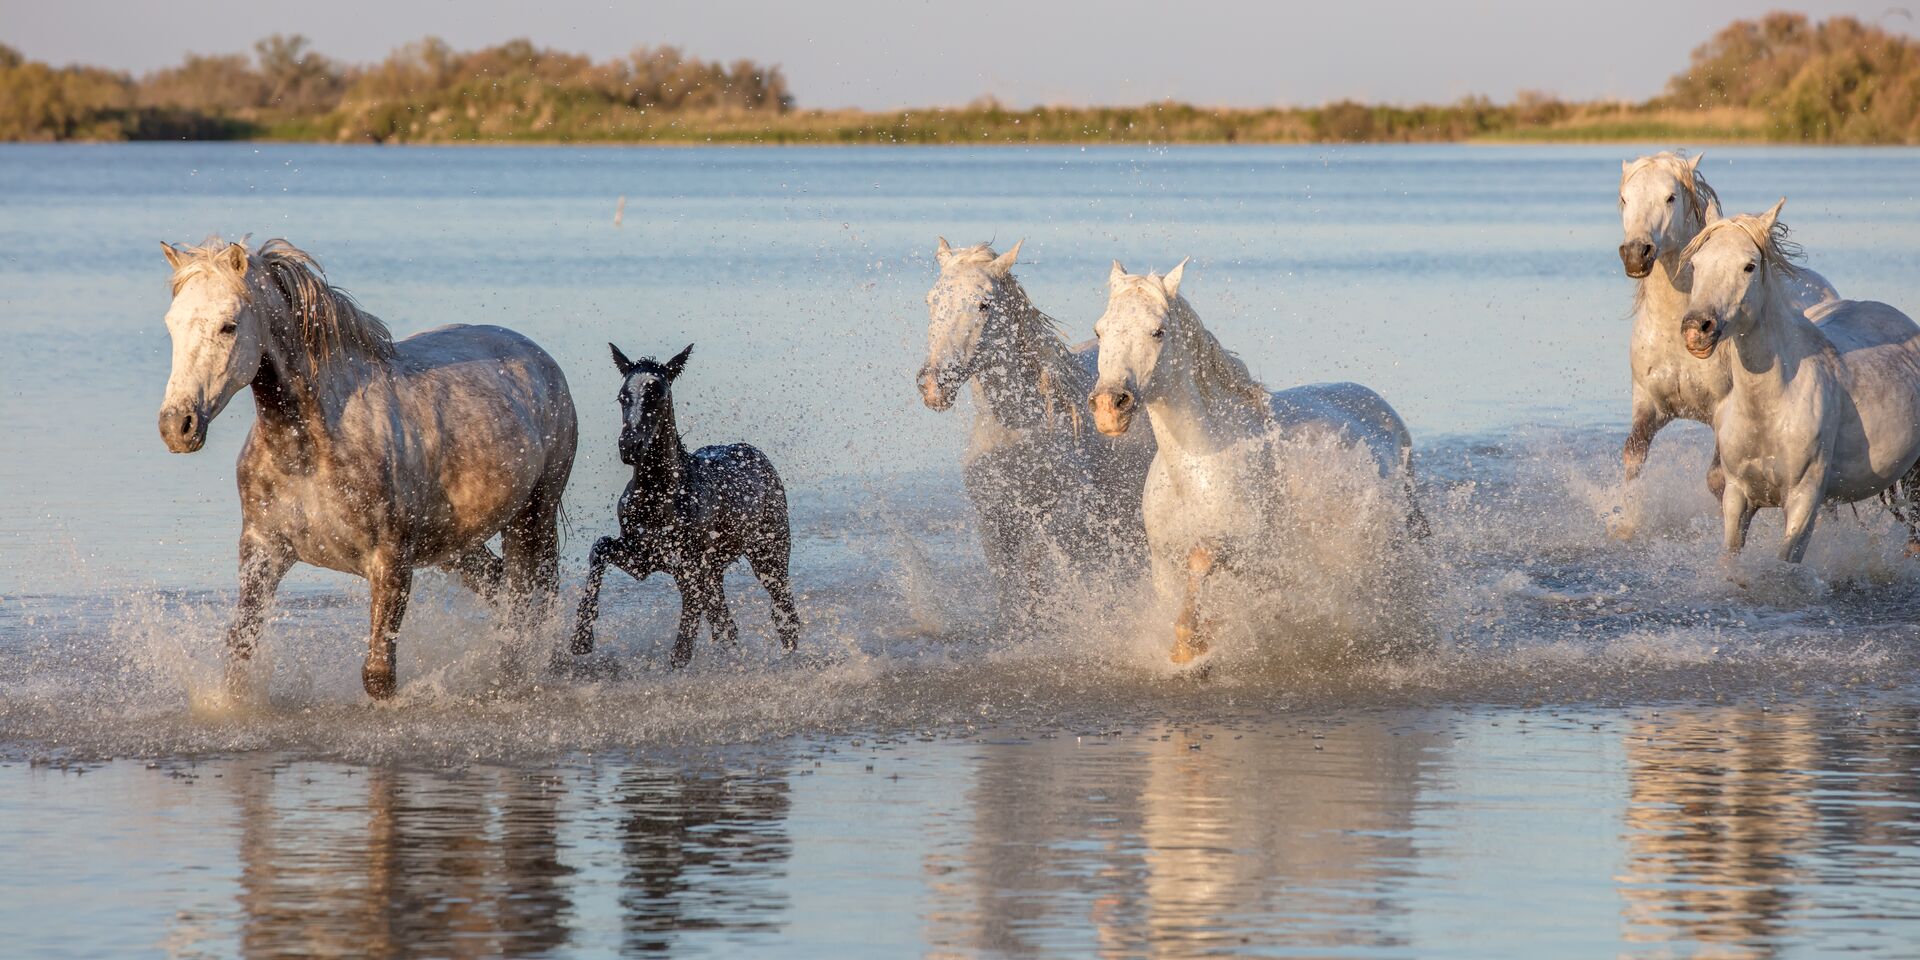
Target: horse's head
1663,204
1732,262
646,401
967,310
1133,334
219,339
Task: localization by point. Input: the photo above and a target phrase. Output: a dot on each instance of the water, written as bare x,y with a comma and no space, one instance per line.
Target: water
1611,749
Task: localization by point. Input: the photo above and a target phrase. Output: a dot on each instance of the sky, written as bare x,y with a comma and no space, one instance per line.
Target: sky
878,54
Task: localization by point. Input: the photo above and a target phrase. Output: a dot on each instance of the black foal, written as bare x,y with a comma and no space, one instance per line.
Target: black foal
690,515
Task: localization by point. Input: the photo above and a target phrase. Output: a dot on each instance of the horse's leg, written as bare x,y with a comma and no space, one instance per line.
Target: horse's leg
1802,508
1417,526
770,556
481,570
603,551
1013,589
531,544
262,565
1647,421
693,598
719,617
1736,514
1716,474
1903,500
392,584
1189,640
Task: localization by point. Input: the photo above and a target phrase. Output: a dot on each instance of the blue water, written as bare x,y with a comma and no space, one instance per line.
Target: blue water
1613,750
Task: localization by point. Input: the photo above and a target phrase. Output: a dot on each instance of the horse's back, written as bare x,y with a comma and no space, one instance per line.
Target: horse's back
1854,326
737,479
1807,289
1353,412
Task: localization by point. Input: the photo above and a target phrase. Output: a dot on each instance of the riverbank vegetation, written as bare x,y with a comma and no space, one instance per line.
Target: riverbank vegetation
1781,78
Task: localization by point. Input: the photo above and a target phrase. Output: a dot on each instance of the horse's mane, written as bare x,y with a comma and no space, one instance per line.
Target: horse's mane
329,323
1777,251
1703,204
1219,373
1062,384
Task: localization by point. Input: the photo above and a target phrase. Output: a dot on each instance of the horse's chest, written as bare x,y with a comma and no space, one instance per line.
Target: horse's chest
325,524
1687,387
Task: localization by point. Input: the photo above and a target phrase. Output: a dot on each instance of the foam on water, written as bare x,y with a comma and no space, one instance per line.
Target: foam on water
1521,594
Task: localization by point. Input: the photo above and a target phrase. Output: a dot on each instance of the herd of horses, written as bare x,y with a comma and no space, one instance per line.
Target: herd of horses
377,457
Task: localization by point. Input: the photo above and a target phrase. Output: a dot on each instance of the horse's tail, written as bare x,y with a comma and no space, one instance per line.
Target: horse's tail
1417,525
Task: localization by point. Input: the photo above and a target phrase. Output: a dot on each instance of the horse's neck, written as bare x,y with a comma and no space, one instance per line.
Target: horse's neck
298,400
1188,419
1029,375
659,474
1662,297
1766,358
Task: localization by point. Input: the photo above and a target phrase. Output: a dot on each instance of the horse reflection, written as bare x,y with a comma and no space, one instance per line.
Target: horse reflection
1717,812
400,864
1731,811
1163,845
703,851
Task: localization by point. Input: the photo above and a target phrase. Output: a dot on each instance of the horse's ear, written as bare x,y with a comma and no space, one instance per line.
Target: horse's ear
678,363
942,253
1772,216
234,258
1693,162
620,360
1171,282
1117,274
1625,165
174,257
1003,264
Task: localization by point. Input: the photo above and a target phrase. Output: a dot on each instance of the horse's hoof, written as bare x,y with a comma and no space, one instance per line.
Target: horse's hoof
582,644
379,682
680,658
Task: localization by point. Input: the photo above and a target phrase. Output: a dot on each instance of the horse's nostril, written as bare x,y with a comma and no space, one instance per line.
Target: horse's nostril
186,425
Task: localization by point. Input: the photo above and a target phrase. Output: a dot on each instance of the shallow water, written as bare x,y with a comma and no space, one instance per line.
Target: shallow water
1602,747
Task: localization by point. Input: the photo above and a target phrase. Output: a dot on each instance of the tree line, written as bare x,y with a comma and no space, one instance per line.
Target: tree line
1782,77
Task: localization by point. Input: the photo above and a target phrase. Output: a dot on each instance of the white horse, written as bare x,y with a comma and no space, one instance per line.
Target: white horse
1664,204
1041,481
1215,484
1816,413
366,456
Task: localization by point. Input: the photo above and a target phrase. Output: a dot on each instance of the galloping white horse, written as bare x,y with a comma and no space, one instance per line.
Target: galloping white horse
1215,484
1664,204
1816,413
1040,480
367,456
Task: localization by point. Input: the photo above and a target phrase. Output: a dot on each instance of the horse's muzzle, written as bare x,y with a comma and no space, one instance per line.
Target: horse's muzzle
1112,411
1637,257
937,387
184,429
1700,332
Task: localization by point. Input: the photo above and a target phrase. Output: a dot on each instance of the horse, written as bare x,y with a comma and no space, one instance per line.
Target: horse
1208,495
1042,484
1664,203
690,515
367,456
1821,410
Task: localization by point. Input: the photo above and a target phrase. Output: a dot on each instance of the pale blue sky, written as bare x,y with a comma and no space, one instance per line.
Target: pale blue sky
887,53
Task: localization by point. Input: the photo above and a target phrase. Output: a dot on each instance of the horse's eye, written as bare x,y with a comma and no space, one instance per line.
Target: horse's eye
1160,334
227,329
985,306
1750,266
1669,198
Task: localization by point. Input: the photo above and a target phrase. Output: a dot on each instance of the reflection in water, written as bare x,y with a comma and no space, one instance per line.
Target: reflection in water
703,851
1179,843
1736,815
400,864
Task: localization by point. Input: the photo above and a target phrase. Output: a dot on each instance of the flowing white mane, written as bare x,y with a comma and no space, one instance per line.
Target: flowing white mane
1218,372
329,323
